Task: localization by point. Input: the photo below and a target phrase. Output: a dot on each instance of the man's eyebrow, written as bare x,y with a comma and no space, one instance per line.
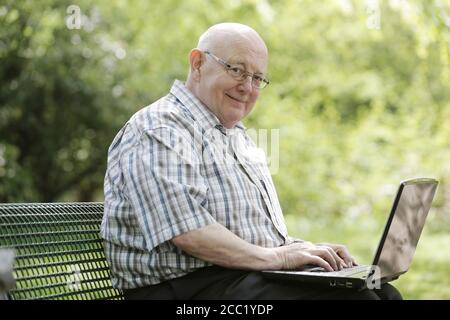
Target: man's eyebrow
236,62
245,66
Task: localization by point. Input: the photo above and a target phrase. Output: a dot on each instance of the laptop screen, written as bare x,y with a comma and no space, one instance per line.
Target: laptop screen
405,224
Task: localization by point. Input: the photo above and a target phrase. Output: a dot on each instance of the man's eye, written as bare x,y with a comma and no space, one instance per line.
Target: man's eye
236,70
257,79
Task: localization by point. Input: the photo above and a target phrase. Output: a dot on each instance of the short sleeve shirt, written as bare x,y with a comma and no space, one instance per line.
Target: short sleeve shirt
174,168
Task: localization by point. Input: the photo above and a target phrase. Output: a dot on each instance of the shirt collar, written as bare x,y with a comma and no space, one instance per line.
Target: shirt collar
205,118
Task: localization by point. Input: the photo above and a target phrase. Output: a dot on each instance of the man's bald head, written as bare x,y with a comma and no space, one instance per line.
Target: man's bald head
222,46
227,34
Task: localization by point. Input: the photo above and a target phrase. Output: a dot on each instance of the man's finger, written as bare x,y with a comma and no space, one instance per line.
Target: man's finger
339,261
345,255
318,261
325,255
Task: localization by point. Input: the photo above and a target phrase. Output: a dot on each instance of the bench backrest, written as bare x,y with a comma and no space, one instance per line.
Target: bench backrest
59,252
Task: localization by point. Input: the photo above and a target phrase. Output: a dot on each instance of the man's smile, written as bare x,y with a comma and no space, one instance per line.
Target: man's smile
235,99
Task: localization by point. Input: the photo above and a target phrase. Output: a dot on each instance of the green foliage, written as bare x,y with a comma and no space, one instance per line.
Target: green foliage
358,109
57,111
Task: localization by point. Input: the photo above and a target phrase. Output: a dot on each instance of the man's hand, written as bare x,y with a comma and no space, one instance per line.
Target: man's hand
328,256
218,245
342,252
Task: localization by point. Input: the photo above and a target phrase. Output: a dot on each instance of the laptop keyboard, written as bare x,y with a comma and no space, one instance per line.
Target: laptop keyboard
345,272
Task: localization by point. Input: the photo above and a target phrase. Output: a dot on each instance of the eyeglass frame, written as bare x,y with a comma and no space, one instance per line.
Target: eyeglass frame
245,73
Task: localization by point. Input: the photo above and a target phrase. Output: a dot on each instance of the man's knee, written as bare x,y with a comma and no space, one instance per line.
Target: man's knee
389,292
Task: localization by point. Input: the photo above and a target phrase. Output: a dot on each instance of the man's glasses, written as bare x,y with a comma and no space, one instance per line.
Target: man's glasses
240,73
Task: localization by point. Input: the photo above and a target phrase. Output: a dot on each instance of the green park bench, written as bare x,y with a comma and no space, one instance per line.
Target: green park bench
58,251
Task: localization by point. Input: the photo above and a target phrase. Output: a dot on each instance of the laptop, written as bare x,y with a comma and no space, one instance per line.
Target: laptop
396,247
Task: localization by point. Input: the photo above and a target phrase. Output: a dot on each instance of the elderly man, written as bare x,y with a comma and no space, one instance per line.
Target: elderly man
189,213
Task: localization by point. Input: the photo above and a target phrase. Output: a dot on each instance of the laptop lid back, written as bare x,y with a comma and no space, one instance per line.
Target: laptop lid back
404,226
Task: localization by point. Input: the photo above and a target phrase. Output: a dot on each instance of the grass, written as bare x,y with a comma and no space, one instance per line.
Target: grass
429,274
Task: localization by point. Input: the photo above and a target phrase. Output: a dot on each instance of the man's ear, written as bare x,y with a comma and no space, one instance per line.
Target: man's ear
196,61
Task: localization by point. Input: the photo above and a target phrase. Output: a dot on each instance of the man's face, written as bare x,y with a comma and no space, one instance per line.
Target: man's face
230,99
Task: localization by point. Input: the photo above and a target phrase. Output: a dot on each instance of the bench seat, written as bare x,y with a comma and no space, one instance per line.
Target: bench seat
59,252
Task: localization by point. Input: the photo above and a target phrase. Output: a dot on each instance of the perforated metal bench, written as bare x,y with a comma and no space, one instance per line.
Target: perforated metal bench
59,252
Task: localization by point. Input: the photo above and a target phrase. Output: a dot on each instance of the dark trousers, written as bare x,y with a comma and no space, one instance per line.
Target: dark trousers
215,282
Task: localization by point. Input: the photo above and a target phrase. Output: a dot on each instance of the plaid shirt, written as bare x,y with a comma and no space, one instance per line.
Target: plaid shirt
174,168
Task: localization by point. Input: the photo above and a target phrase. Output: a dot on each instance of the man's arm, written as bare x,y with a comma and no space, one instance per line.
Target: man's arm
216,244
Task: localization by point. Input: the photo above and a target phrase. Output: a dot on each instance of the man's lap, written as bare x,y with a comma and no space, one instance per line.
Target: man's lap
227,284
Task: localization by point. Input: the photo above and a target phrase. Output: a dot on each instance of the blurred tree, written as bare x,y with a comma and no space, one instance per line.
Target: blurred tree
357,106
58,110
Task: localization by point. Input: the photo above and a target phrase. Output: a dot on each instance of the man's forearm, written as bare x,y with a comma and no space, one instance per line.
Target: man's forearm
218,245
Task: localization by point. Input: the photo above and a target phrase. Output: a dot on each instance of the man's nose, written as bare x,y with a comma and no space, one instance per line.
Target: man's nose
246,84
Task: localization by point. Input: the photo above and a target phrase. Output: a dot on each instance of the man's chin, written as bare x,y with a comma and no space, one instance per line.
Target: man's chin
233,117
